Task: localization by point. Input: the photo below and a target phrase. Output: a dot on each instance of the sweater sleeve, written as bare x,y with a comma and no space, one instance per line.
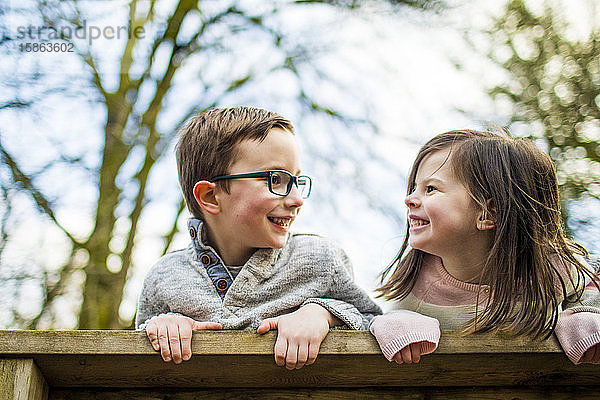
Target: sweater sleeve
344,299
397,329
150,303
578,326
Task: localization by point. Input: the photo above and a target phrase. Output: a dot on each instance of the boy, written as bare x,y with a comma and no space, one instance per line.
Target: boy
238,170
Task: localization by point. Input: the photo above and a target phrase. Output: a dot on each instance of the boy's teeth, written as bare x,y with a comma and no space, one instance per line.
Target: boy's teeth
280,221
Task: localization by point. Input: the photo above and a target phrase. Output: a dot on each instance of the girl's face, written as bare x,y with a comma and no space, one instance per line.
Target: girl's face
442,216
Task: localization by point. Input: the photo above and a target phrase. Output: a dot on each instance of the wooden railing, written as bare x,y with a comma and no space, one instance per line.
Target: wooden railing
239,364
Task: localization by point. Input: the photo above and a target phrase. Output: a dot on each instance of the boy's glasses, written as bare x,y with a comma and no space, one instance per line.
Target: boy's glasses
280,182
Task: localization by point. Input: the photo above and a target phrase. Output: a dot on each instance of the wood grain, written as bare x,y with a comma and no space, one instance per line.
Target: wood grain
245,342
243,359
479,393
20,379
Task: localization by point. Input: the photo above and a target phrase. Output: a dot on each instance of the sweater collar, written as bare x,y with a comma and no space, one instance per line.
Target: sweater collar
261,263
445,275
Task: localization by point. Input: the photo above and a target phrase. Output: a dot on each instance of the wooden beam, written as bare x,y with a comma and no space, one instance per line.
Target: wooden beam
243,359
123,342
20,379
373,393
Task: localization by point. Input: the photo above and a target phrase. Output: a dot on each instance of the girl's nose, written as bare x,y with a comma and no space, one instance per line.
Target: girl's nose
412,201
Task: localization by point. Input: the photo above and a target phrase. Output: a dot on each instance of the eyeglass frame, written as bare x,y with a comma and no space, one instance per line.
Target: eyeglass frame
268,174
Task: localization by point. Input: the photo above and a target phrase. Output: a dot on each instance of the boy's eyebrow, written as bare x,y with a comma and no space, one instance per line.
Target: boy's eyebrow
276,167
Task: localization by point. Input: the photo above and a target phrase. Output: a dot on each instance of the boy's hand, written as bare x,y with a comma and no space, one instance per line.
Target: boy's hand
409,354
172,335
300,335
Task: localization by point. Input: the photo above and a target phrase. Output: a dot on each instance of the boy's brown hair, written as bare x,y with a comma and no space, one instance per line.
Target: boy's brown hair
207,146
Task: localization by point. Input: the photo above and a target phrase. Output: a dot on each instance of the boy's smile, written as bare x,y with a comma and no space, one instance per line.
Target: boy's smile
250,217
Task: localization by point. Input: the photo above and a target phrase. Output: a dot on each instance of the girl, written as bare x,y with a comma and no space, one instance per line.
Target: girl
487,252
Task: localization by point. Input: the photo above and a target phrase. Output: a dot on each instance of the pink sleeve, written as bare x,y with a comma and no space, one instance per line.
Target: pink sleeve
577,332
398,329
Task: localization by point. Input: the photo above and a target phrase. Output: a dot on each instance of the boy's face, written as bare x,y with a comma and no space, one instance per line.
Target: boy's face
251,217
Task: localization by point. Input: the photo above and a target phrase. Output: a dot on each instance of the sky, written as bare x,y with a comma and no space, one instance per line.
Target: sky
407,72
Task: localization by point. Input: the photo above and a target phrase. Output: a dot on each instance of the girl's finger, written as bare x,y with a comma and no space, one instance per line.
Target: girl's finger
415,351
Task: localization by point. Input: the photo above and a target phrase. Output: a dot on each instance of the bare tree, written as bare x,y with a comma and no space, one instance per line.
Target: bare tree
221,51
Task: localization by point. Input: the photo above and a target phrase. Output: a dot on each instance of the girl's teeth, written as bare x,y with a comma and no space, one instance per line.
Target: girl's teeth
418,222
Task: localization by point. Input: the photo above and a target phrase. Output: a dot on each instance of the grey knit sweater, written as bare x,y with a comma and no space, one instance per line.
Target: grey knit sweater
273,282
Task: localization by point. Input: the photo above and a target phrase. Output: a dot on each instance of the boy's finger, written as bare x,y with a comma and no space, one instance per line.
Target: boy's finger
280,351
267,324
152,333
205,325
175,343
185,334
313,352
291,359
302,355
163,341
415,352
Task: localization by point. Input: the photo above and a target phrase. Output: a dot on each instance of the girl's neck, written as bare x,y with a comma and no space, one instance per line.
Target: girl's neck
466,265
467,262
463,270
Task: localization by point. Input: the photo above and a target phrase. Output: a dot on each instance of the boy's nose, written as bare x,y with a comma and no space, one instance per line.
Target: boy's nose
412,201
294,198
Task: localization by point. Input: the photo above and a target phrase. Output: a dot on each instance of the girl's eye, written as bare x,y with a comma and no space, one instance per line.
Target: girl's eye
430,188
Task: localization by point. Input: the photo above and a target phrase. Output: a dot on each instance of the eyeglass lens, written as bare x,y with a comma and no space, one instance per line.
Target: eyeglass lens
281,184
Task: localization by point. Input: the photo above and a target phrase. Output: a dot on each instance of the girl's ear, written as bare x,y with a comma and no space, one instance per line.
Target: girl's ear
487,217
205,195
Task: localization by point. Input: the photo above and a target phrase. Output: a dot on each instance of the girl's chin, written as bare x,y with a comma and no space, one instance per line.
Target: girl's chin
417,245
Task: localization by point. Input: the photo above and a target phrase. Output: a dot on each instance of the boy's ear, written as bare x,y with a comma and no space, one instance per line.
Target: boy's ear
205,195
487,217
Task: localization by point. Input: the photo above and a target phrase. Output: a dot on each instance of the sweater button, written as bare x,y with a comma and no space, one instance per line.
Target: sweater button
205,259
192,233
221,284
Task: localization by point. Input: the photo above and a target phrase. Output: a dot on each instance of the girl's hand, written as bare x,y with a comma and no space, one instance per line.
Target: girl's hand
592,355
409,354
404,336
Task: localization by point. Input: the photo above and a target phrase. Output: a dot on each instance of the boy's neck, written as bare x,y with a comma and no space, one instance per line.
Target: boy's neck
230,253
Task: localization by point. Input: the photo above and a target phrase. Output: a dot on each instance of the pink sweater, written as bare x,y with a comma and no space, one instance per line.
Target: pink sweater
438,296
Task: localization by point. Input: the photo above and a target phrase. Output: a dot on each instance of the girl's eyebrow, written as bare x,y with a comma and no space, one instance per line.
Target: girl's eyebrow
430,179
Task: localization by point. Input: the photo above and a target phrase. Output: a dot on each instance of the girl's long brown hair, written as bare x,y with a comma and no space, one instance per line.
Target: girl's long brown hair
515,182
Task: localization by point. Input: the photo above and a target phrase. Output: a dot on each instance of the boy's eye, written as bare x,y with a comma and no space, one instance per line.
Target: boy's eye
276,179
430,188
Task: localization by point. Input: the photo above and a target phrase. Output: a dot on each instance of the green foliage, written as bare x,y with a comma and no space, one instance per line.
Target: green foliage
555,90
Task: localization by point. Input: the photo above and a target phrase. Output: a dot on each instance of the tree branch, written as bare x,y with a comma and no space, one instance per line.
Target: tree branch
40,200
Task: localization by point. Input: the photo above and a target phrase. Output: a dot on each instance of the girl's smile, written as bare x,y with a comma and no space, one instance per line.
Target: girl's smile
442,217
